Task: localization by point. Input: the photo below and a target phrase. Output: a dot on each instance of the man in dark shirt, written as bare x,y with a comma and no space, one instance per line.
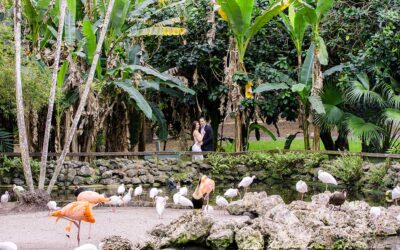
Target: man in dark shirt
207,132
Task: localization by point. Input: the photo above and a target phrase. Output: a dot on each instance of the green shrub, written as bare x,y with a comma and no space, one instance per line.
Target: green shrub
375,176
12,168
348,169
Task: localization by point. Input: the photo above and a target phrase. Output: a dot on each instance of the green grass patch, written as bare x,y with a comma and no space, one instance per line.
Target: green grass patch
297,144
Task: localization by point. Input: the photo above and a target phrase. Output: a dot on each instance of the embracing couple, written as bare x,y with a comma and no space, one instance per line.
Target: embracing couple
202,134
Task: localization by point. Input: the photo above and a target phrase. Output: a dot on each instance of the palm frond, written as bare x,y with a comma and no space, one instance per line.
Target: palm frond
361,91
394,100
366,131
6,142
392,115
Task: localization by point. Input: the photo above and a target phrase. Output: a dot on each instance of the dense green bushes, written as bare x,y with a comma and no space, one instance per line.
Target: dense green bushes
348,169
276,165
12,168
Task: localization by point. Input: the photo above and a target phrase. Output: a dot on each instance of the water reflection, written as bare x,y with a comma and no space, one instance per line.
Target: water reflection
285,189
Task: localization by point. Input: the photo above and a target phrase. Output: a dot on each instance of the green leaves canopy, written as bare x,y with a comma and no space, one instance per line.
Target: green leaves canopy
239,14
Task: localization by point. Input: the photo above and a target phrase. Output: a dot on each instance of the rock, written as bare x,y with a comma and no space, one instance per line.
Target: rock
107,181
131,172
102,169
115,242
164,167
107,174
255,203
161,178
71,174
142,171
135,180
249,239
6,180
90,180
61,178
17,181
143,178
150,178
78,180
204,166
222,233
190,227
85,171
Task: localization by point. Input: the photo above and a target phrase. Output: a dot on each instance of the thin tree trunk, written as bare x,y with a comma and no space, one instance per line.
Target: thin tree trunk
23,140
316,88
84,97
52,96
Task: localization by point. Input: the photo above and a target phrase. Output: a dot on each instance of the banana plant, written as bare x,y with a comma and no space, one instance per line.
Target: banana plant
244,26
151,79
314,16
302,88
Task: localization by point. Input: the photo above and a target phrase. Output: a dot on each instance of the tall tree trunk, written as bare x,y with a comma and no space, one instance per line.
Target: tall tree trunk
142,134
316,88
52,96
327,140
23,140
84,97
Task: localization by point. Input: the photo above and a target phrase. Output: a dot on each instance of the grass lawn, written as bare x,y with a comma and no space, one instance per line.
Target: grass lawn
355,145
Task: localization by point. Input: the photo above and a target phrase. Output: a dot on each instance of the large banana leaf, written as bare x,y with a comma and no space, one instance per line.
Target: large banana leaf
254,126
70,18
90,37
158,116
137,96
157,31
316,104
322,52
118,16
270,86
307,67
295,25
323,6
267,15
364,130
234,15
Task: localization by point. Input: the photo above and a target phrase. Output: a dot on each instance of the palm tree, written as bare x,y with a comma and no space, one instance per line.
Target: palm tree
53,89
23,140
239,16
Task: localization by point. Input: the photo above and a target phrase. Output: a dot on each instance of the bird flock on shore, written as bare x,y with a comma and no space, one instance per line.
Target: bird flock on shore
81,210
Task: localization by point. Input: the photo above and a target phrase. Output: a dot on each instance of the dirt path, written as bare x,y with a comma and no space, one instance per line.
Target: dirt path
37,230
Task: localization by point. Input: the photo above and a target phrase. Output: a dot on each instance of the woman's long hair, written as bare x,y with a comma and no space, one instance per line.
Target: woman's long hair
194,127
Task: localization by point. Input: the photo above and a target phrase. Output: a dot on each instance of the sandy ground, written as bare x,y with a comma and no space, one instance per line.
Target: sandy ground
36,230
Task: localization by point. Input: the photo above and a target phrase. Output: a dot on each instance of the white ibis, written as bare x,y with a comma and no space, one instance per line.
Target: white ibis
91,247
232,193
246,182
127,198
18,190
154,192
5,197
183,191
121,189
374,213
8,245
395,193
185,202
302,188
326,178
221,202
52,205
208,209
175,198
161,202
115,201
138,192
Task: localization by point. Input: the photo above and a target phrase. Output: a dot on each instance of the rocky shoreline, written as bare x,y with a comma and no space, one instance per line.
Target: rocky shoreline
266,221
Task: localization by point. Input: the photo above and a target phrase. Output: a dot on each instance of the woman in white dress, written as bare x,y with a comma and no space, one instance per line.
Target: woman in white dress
198,140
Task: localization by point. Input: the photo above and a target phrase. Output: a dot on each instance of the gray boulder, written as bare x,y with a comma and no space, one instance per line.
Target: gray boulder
85,171
249,239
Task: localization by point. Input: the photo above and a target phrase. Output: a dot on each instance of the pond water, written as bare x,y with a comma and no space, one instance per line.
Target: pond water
285,189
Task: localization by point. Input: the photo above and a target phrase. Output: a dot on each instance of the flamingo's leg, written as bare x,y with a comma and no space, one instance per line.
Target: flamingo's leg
79,231
90,231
